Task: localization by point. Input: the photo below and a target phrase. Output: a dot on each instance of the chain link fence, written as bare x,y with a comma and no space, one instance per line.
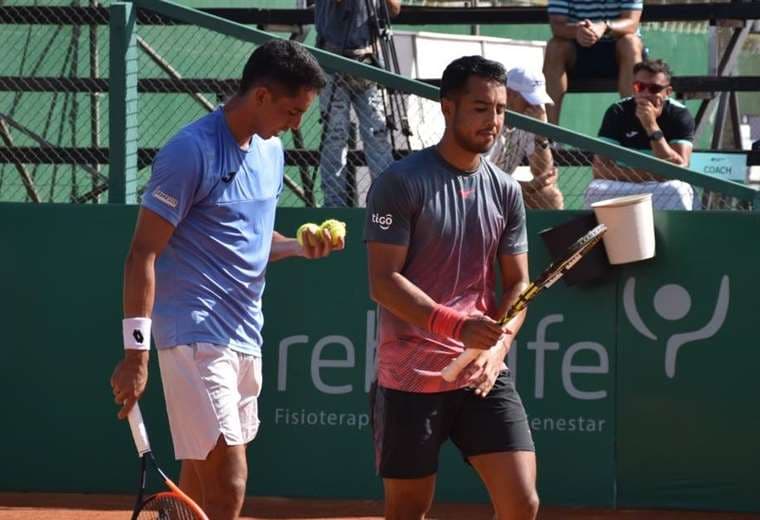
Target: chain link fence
350,135
185,72
54,126
53,103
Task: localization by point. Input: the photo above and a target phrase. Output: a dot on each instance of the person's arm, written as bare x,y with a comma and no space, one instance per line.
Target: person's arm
394,7
286,247
679,154
611,131
513,257
175,182
513,264
391,289
603,168
540,158
676,154
562,27
590,32
542,191
683,150
514,279
151,235
627,23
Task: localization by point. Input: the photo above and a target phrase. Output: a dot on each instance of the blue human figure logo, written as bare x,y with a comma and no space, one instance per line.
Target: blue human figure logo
672,302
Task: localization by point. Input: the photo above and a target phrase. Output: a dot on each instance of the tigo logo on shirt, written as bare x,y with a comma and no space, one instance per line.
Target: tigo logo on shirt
384,221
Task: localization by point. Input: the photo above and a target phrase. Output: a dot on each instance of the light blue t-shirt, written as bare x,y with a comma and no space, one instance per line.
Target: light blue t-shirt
221,200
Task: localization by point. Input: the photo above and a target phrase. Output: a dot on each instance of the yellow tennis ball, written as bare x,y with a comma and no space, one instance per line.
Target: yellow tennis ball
311,227
336,228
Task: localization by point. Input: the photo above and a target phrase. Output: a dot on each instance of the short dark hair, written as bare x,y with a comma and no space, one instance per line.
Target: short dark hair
285,63
457,73
653,67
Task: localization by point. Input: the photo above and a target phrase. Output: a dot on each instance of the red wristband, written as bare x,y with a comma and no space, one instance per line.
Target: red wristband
445,321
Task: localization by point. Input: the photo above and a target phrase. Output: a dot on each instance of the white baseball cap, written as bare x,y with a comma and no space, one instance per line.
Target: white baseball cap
530,84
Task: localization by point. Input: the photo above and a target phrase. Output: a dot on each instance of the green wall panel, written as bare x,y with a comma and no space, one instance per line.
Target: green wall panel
611,428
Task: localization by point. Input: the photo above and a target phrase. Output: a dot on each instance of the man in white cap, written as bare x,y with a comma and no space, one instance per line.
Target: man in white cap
526,95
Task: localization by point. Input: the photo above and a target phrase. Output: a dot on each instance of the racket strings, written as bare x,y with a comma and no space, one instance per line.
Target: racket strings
166,506
555,271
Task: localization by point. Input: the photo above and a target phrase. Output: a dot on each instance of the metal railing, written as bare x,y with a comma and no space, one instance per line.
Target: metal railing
163,75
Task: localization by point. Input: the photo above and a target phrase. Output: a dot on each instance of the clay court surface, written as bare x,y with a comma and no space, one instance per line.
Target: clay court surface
32,506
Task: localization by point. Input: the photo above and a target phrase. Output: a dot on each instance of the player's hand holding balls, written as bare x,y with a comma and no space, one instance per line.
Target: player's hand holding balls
308,233
336,229
319,241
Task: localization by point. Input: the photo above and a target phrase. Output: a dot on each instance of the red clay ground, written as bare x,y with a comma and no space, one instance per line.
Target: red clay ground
33,506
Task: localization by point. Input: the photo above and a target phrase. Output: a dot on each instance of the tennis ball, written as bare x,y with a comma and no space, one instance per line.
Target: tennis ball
336,228
311,227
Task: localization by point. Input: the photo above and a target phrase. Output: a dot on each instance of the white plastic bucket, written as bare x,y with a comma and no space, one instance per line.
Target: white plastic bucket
630,227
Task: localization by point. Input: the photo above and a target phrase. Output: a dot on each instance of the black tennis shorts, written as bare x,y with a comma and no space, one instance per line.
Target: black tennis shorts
409,428
597,61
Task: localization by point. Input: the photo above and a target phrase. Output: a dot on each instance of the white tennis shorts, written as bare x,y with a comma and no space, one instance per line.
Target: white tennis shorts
210,390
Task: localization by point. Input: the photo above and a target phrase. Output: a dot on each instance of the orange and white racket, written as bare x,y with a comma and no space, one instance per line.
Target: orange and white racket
172,504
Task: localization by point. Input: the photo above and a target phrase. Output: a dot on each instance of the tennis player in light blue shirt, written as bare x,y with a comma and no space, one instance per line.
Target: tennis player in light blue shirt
221,200
194,276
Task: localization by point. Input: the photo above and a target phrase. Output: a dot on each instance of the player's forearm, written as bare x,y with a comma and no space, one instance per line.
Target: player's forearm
541,160
139,284
608,170
404,299
509,297
284,247
662,150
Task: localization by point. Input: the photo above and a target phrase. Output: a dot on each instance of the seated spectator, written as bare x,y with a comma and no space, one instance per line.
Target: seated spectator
526,94
650,122
591,39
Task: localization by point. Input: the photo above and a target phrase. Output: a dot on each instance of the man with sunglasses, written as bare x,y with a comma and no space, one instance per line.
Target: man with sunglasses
653,123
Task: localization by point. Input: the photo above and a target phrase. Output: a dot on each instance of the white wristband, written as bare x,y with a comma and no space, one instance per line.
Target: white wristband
136,333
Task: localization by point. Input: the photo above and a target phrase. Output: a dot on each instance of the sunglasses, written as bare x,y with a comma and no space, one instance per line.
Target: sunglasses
653,88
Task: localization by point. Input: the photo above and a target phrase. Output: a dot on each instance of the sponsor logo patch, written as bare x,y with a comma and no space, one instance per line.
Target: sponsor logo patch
383,221
165,198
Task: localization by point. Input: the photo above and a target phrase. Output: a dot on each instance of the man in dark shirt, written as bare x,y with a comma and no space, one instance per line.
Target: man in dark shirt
653,123
438,223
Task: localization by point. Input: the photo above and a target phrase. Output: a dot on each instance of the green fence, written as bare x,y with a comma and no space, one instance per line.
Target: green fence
64,140
641,391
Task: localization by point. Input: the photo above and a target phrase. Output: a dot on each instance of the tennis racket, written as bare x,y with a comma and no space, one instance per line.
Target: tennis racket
551,274
167,505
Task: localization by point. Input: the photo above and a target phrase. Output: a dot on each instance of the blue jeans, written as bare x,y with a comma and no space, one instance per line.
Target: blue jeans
335,102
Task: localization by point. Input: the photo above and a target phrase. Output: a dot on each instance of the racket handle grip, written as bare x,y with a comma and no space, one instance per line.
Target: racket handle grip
451,372
139,433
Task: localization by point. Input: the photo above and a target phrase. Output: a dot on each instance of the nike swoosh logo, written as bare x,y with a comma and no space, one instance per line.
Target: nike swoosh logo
466,193
631,134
